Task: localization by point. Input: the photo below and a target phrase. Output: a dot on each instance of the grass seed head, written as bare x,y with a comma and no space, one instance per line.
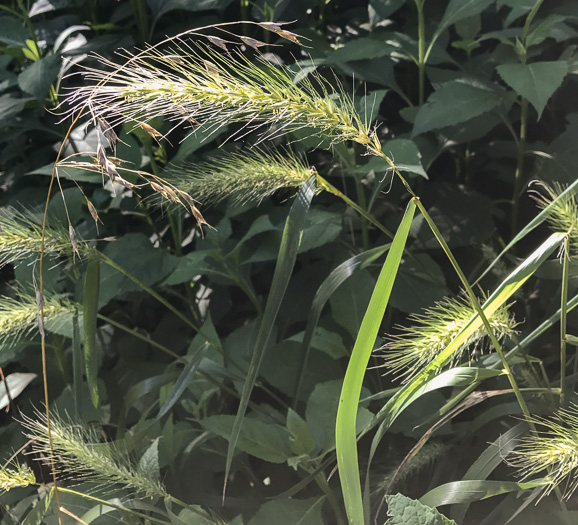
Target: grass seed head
417,346
553,450
16,476
247,176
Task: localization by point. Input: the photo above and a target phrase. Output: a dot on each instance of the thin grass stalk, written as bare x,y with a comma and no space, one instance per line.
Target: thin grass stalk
563,318
519,174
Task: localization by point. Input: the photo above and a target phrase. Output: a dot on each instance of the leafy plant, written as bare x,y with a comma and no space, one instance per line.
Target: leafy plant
192,240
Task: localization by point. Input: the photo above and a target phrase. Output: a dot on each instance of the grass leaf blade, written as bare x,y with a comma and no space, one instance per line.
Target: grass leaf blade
288,250
345,427
90,312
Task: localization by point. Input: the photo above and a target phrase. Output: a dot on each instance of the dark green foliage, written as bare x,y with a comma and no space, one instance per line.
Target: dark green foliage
202,357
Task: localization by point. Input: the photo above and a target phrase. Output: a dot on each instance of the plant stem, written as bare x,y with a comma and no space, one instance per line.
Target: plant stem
421,61
519,175
563,318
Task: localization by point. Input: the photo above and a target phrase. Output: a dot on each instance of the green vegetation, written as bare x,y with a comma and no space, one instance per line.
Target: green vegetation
256,272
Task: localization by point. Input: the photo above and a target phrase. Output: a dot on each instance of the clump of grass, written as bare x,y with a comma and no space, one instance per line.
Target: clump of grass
416,346
554,450
250,175
203,87
19,316
563,212
16,476
79,454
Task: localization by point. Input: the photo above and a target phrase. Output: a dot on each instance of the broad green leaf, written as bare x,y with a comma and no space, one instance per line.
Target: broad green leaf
346,423
536,82
148,464
385,8
459,10
368,105
406,511
10,107
301,440
283,269
290,511
455,102
136,255
349,301
90,301
16,383
321,414
267,441
37,78
474,490
415,289
12,32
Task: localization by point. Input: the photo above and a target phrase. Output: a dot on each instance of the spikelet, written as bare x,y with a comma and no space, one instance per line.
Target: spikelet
563,214
16,476
19,316
553,451
250,175
79,454
416,346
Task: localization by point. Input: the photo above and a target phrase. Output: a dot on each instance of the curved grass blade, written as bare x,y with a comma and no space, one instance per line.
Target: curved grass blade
90,312
475,490
416,388
489,459
290,241
345,426
333,281
534,223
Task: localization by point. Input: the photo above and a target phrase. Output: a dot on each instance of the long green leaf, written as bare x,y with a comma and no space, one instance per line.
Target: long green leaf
345,427
90,312
416,388
474,490
288,250
333,281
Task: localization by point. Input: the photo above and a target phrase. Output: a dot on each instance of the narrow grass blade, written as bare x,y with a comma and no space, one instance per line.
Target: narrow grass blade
416,388
333,281
90,312
534,223
77,366
183,381
288,250
489,459
474,490
345,427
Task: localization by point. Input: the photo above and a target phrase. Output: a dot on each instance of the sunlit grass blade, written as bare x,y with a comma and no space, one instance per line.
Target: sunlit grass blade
474,490
415,389
338,276
345,426
90,312
288,250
